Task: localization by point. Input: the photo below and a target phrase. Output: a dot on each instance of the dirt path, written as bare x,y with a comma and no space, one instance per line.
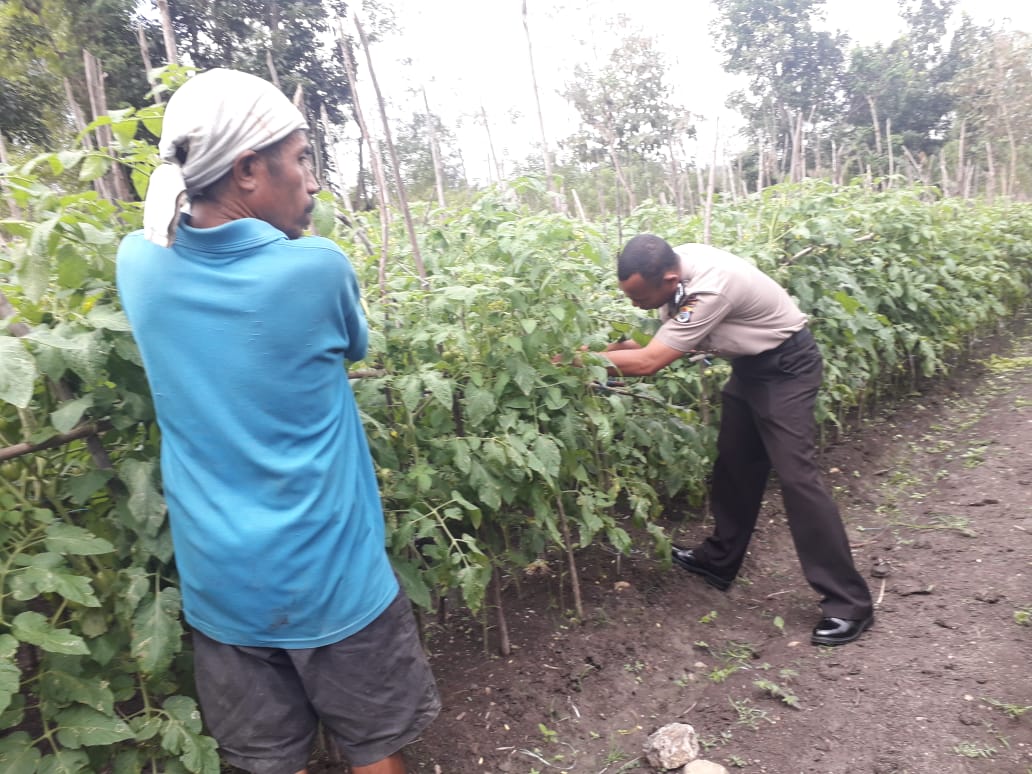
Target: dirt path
938,501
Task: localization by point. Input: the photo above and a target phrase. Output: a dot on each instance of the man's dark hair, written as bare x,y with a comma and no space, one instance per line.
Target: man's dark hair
647,255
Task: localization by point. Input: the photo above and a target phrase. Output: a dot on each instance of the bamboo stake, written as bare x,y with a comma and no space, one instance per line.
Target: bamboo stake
708,217
577,204
545,152
417,256
374,159
564,526
492,160
435,151
504,644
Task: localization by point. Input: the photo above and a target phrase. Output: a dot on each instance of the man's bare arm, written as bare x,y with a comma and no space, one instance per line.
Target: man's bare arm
641,361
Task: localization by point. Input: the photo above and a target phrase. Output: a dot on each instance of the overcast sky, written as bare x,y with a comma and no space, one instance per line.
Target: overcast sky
469,53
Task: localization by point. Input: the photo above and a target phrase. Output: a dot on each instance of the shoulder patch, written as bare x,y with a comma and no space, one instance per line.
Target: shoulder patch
687,306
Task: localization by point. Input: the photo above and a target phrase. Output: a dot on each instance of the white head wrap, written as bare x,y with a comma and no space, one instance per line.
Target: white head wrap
214,117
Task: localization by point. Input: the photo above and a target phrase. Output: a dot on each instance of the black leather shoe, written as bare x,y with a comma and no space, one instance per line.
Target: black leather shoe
685,558
839,631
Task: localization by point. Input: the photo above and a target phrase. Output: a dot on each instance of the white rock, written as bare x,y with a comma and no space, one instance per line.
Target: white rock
672,746
704,767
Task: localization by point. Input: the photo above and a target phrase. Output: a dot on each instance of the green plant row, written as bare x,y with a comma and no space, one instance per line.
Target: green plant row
489,454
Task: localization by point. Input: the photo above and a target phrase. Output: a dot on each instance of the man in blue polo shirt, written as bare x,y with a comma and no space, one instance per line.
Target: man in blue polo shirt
244,326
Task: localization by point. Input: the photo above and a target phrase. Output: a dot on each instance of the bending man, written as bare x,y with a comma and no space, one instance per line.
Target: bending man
714,303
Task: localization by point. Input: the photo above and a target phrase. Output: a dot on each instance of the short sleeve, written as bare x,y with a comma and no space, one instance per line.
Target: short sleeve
695,318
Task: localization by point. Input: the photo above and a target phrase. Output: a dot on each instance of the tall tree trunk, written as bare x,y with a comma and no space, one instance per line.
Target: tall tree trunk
274,24
406,213
171,56
888,147
618,170
141,38
961,162
98,104
876,124
834,163
990,182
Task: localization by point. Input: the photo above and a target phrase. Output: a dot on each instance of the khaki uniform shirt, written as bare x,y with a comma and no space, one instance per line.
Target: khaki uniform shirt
725,306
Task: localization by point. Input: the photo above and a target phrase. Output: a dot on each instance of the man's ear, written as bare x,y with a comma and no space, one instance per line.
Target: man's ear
245,170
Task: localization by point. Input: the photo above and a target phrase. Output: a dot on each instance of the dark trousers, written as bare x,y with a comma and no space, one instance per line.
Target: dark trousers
767,421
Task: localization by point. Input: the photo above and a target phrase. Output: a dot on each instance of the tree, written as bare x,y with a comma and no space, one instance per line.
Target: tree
41,44
794,71
625,110
413,143
994,105
285,41
902,89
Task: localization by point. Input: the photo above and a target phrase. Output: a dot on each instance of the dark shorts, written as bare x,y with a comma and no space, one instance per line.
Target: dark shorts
373,693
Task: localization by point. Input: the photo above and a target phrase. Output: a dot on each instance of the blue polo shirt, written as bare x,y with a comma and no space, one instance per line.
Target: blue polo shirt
272,498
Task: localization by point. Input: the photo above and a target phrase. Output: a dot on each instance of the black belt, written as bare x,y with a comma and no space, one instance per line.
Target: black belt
797,339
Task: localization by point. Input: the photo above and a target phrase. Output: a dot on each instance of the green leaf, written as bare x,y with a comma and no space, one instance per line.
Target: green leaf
72,270
480,404
68,416
185,711
17,372
65,688
201,755
850,304
412,582
181,736
157,633
124,130
33,628
96,236
145,502
134,584
34,581
439,387
64,762
547,452
10,674
95,165
81,488
81,726
146,727
69,158
324,216
68,539
109,318
17,754
82,351
39,241
127,762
